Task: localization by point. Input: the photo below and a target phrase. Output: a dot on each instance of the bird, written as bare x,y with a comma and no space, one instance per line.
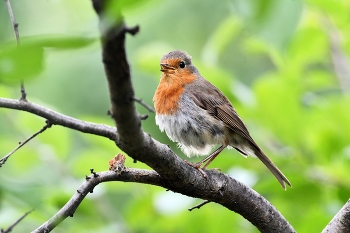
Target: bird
198,116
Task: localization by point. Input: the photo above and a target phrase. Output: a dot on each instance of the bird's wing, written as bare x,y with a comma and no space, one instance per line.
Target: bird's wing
221,109
211,99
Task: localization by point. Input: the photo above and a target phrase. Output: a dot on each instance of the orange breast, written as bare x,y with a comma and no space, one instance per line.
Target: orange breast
169,91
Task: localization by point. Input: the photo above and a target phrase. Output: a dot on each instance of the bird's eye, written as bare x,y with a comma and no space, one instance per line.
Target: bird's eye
182,64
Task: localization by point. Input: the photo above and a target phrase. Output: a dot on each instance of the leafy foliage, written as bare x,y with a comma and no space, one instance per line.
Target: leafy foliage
273,59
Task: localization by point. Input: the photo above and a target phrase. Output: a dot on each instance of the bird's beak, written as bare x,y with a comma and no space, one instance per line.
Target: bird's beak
166,68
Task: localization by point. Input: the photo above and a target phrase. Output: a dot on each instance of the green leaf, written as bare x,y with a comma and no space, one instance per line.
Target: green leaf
27,60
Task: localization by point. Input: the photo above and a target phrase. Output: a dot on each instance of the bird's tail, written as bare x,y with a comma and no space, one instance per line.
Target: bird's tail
273,168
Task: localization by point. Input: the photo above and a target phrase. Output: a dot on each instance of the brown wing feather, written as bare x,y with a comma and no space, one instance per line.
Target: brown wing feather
221,109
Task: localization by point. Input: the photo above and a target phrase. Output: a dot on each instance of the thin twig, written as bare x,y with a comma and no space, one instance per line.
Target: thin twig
12,17
4,159
144,104
15,223
23,92
132,30
15,29
199,206
143,117
127,175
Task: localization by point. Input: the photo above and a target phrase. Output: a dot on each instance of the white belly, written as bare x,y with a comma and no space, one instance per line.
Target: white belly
193,128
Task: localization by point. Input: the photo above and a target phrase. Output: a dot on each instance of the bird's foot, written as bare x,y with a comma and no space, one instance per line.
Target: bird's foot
198,167
194,165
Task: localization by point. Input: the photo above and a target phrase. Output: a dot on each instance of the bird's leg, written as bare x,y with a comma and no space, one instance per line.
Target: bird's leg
211,157
207,160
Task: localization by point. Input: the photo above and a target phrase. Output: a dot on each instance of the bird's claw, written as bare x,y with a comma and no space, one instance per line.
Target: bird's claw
198,167
203,173
194,165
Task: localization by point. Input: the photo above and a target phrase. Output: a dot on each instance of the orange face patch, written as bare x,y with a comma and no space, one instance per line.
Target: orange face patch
171,87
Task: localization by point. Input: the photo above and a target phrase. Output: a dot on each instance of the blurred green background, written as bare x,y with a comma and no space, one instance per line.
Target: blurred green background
284,64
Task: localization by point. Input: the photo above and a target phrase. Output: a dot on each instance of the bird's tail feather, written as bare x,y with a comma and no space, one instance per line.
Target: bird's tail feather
282,179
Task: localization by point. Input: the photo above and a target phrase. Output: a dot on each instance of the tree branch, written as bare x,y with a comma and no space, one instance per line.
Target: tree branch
59,119
17,222
145,105
23,92
199,206
121,92
12,17
127,175
176,174
4,159
15,30
341,221
171,172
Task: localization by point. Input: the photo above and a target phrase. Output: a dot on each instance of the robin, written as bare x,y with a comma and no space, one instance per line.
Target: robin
197,115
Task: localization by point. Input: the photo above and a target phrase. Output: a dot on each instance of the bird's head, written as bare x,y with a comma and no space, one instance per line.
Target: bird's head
177,63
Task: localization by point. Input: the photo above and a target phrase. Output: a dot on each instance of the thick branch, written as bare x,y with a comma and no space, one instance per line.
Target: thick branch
121,91
341,222
56,118
176,174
